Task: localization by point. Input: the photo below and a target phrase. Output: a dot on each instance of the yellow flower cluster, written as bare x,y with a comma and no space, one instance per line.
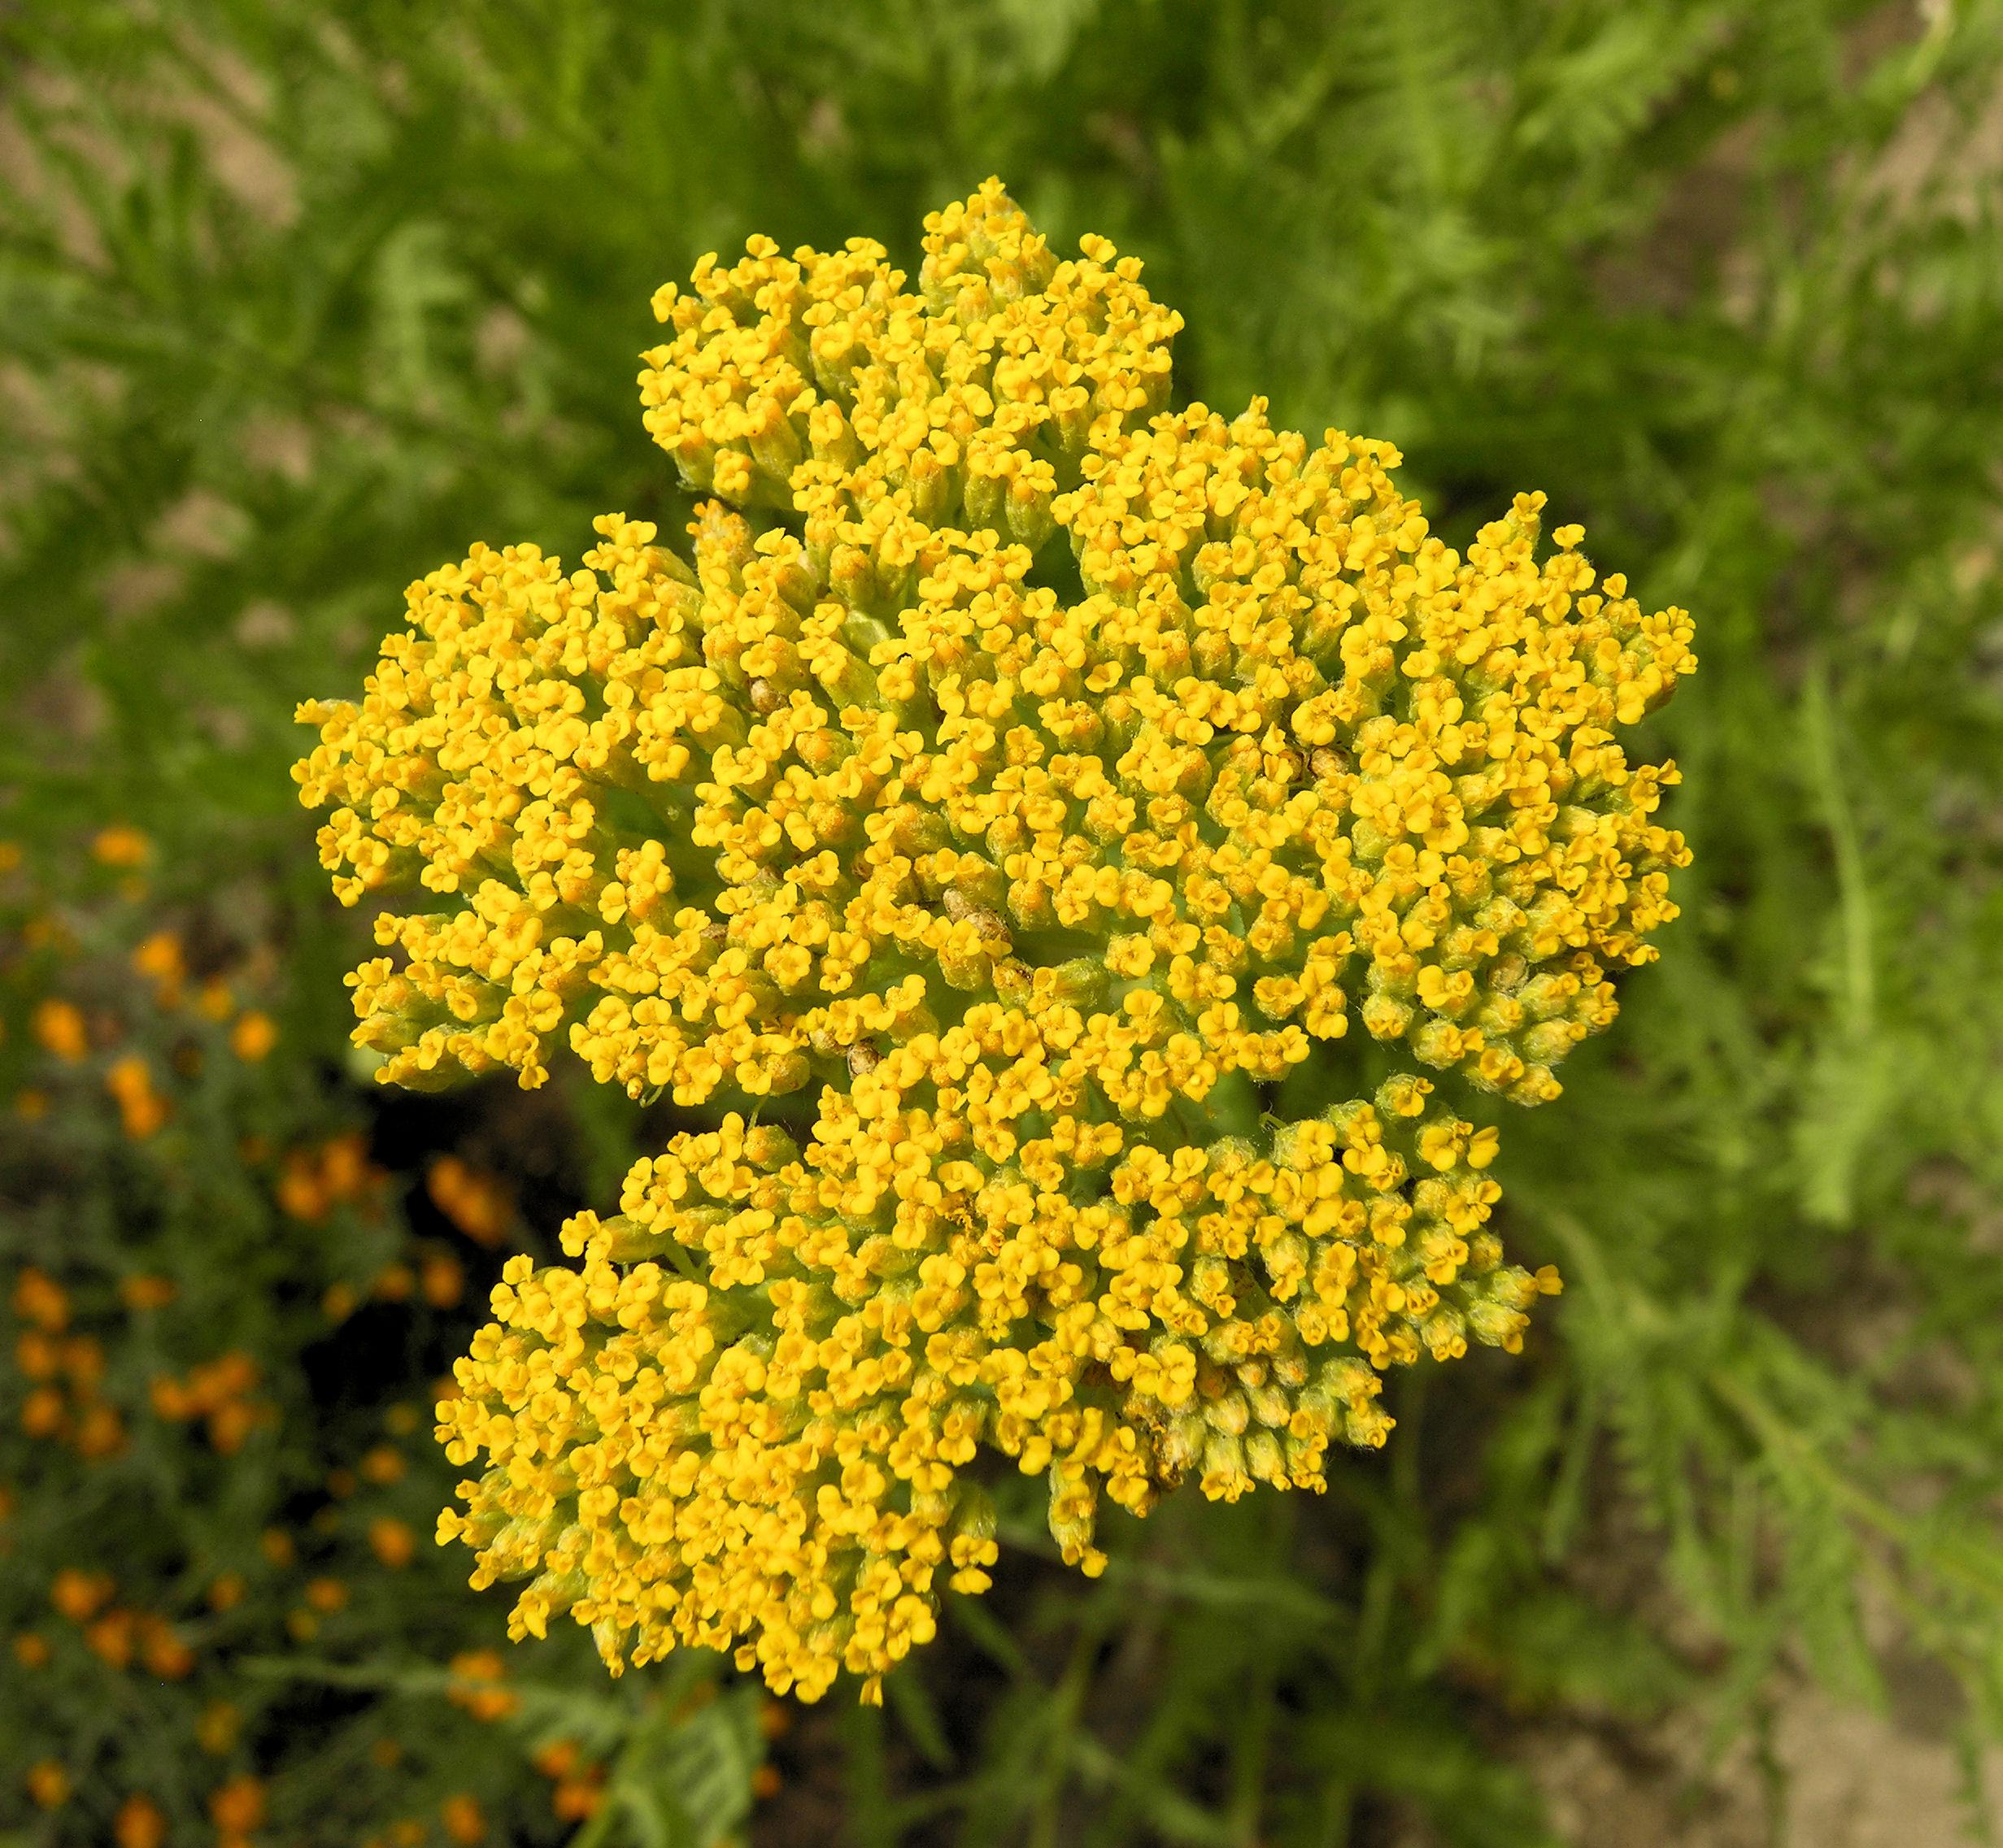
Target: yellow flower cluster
1034,783
777,1447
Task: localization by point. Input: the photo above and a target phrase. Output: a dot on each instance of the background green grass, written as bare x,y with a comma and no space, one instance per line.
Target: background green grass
297,300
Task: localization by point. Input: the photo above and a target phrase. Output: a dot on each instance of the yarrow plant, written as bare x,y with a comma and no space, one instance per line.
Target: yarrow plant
1056,832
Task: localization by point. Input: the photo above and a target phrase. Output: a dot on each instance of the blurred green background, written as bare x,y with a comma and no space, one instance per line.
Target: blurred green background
297,300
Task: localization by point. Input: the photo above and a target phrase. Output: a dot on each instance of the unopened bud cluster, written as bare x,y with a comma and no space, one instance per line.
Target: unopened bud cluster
1021,788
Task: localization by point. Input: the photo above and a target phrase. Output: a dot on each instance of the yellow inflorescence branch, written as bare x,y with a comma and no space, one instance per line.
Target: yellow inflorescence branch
1037,782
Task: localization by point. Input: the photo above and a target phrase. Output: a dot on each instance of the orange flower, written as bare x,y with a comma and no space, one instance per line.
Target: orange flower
477,1675
144,1116
100,1432
216,1389
170,1398
142,1107
59,1029
276,1547
237,1806
300,1192
344,1165
464,1823
80,1595
121,845
37,1357
31,1650
111,1638
393,1542
42,1412
227,1592
163,1653
575,1800
577,1795
384,1464
49,1784
215,1000
253,1037
228,1375
443,1279
142,1292
326,1595
139,1824
314,1180
558,1758
39,1298
478,1204
231,1423
160,958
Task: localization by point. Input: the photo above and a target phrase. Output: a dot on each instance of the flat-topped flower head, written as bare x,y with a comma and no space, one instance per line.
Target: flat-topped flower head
1049,804
743,1421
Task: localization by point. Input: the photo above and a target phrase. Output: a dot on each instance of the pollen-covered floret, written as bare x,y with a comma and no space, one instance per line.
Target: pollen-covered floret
1038,797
